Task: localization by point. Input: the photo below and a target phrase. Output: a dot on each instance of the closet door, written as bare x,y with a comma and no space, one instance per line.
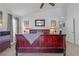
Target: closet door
70,30
77,31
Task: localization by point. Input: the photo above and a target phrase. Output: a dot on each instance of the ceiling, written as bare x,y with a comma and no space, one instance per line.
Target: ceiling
22,9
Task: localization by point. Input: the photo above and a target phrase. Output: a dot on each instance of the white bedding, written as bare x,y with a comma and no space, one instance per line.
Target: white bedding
31,37
4,38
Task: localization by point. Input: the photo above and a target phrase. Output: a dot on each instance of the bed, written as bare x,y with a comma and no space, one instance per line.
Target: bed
43,43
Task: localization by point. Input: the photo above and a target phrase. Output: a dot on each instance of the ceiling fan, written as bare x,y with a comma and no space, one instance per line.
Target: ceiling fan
52,4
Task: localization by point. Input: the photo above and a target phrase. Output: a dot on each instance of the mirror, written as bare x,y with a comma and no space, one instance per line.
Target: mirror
53,26
0,20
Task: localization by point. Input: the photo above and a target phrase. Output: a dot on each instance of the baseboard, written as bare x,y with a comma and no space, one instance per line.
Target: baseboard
73,43
12,43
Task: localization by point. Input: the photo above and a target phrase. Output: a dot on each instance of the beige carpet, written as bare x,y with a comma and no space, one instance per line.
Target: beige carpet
72,50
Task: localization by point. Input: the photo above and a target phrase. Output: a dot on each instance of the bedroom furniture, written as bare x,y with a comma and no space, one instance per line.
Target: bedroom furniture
4,40
46,31
45,43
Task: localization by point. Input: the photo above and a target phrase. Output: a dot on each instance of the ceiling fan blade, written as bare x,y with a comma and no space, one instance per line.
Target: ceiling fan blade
41,5
52,4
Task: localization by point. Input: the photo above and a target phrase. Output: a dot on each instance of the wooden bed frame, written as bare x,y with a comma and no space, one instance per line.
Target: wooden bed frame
46,43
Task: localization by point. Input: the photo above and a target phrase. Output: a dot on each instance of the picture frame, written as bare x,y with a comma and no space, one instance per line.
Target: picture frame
40,22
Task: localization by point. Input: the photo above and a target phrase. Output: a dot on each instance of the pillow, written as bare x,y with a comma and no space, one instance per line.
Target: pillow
39,32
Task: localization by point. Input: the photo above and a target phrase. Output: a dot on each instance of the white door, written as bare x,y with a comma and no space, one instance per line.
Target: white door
70,30
77,31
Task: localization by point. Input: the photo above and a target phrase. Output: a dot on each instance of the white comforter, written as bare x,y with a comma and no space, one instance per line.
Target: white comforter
4,38
31,37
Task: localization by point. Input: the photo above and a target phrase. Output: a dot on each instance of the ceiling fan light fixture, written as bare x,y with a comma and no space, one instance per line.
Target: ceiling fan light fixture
41,5
52,4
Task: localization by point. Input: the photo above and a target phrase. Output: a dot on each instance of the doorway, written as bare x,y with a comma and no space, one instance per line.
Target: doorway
70,30
13,26
9,26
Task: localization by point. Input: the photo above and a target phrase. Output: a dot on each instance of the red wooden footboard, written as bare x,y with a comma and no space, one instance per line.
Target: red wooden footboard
44,44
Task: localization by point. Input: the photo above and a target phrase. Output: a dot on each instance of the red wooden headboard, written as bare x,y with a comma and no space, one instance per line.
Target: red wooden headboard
40,30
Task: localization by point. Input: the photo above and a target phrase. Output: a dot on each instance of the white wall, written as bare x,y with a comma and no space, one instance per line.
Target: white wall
48,13
73,13
5,12
21,25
